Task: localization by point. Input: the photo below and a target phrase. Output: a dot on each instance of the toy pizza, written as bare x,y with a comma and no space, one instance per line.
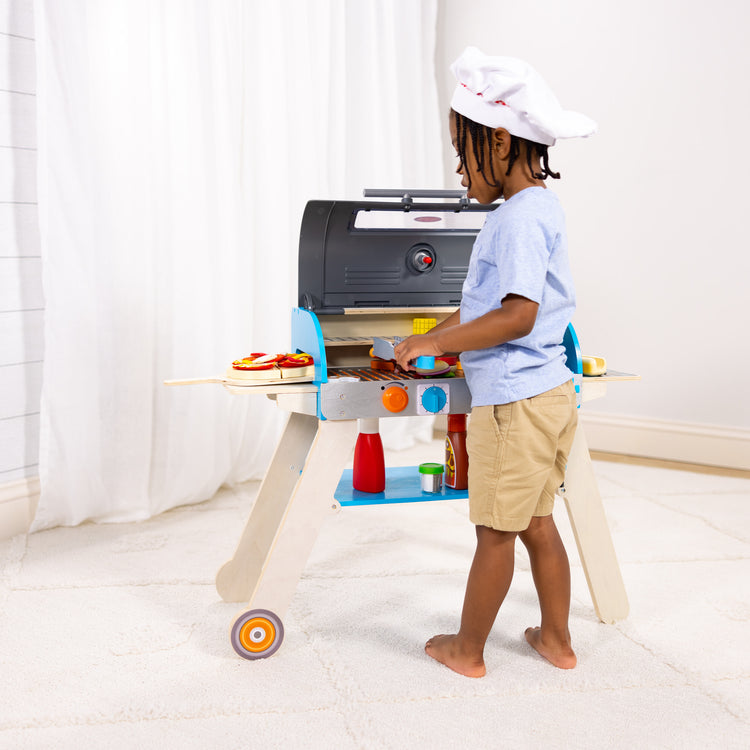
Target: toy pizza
263,367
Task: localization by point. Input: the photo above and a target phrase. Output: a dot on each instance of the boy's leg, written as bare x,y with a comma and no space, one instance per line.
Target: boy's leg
551,572
489,580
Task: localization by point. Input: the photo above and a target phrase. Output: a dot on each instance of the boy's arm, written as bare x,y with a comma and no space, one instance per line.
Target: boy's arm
452,320
513,320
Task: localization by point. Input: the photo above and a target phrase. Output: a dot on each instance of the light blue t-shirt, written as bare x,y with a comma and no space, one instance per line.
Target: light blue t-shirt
522,249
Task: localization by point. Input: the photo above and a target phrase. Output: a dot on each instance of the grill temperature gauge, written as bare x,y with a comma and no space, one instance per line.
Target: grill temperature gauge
432,399
420,258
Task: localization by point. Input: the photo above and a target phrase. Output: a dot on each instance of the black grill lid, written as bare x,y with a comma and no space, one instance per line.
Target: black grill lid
386,253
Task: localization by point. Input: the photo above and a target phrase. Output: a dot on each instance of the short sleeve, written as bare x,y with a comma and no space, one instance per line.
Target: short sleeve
522,257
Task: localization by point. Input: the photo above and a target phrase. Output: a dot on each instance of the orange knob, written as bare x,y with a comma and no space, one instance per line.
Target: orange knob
395,398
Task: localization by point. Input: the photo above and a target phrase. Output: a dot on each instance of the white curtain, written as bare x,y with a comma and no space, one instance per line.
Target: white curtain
178,143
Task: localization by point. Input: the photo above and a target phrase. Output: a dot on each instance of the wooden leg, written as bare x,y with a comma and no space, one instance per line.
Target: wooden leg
592,535
285,522
311,501
236,580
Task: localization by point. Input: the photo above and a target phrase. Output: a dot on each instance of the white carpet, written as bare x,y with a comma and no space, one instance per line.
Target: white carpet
113,636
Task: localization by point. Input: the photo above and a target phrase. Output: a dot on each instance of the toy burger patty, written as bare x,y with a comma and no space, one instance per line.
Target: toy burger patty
261,366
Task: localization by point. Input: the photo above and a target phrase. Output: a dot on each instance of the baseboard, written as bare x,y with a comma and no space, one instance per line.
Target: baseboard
684,442
18,501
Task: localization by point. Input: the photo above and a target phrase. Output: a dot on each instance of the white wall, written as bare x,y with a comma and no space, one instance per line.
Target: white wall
21,300
655,202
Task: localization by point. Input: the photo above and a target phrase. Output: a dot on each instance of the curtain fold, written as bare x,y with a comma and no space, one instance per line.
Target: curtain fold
178,144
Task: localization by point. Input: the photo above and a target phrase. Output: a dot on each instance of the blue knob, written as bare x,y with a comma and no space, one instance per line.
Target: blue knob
434,399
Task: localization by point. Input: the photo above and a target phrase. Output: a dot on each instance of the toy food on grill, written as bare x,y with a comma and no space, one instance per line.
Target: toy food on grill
261,366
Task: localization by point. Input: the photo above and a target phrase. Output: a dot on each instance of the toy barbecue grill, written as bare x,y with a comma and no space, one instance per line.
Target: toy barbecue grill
371,270
368,270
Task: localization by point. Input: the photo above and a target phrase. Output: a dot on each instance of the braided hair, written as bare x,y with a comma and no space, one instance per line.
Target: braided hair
481,136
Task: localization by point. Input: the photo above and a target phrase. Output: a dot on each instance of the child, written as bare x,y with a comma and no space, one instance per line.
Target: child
517,301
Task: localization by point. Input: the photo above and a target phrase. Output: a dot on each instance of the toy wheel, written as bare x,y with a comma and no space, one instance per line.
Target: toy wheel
257,634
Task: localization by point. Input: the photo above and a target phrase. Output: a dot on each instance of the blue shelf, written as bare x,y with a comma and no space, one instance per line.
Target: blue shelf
402,485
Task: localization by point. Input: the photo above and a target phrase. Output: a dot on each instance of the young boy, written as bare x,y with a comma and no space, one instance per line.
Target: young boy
516,304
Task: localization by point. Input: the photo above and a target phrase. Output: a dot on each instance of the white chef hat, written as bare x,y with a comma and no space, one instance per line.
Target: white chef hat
505,92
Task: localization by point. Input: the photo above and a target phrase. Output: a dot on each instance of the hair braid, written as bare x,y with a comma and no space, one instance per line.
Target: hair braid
481,135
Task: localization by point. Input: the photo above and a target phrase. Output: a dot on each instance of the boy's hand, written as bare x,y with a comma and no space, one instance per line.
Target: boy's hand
421,344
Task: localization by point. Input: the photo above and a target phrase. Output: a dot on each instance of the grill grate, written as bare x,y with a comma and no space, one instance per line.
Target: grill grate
367,373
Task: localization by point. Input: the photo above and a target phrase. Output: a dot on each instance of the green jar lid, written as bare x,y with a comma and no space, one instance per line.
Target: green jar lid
431,468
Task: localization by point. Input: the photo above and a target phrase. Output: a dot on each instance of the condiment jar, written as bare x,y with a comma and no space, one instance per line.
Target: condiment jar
431,477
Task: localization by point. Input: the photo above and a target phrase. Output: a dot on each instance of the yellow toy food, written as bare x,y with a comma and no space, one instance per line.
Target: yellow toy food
594,365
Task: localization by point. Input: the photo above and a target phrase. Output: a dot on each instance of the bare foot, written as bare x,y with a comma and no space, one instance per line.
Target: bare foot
447,650
561,654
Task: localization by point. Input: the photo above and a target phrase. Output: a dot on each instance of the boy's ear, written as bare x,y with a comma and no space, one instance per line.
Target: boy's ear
501,142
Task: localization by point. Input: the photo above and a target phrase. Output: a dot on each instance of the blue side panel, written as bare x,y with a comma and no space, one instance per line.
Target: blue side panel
307,336
574,360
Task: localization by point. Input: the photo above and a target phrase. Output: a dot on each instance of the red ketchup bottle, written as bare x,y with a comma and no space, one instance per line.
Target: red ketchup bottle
456,456
368,473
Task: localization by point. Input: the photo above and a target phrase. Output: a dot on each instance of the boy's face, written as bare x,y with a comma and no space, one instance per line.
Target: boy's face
471,177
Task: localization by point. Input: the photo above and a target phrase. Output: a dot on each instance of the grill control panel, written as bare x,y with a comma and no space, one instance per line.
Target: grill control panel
343,399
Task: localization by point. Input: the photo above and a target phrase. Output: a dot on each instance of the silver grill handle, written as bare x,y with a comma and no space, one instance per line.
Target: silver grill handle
407,196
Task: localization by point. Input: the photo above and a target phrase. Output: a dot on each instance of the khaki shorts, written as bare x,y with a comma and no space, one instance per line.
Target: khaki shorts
517,457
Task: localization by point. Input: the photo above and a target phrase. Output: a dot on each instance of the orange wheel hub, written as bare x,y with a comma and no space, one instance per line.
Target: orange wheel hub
257,635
